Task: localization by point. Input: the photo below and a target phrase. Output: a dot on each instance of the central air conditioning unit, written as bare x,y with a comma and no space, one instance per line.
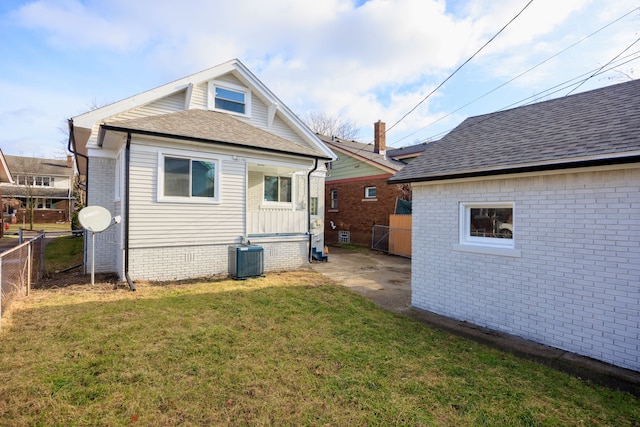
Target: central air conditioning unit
246,261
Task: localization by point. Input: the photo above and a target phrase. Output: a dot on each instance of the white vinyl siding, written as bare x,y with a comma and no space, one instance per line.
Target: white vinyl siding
176,224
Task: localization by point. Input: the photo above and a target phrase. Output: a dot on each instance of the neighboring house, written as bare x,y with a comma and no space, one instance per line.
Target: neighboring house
564,175
357,194
5,176
47,183
195,166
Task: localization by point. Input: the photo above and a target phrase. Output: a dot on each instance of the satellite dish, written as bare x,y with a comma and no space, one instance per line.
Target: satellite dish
94,218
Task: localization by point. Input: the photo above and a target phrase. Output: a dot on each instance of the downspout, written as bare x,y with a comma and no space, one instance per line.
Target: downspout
86,183
127,161
315,167
71,150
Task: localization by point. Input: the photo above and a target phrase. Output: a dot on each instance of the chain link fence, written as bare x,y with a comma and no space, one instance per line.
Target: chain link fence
393,240
20,267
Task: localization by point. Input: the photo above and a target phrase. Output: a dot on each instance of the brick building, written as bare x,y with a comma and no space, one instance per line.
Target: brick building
357,195
562,177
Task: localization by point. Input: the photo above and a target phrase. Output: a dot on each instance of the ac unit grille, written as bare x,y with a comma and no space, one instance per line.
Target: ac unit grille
246,261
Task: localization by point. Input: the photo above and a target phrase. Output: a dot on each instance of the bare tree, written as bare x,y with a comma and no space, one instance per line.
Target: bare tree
25,171
326,125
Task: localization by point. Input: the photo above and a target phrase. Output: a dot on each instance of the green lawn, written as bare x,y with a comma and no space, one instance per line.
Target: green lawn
288,349
13,228
63,252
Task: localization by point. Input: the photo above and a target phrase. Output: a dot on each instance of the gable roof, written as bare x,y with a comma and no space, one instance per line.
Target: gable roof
5,173
82,126
211,126
363,152
409,151
597,127
20,165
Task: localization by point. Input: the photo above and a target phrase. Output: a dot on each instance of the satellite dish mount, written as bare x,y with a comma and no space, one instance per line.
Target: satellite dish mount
96,219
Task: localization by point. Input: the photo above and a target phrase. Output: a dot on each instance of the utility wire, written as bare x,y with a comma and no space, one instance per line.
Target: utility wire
462,65
614,58
520,75
454,72
533,98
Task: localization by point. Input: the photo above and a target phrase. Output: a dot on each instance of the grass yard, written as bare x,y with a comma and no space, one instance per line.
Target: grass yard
63,252
287,349
14,228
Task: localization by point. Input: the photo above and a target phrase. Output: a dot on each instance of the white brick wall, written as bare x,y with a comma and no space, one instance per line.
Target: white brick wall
175,263
576,285
101,192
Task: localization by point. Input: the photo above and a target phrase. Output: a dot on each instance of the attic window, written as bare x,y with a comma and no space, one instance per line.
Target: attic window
229,98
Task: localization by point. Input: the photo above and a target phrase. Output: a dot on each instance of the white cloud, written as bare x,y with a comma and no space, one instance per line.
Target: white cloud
373,61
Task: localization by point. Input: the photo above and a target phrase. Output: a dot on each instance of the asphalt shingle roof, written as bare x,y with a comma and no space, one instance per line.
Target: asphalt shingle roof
598,125
214,127
364,151
20,165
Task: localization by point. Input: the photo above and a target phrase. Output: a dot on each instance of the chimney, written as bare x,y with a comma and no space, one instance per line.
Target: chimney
380,138
69,161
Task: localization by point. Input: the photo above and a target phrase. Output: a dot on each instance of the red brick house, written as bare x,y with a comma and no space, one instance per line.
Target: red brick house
357,195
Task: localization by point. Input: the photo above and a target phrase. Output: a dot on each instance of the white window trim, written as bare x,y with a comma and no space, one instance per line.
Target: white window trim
211,101
272,204
366,192
489,245
190,199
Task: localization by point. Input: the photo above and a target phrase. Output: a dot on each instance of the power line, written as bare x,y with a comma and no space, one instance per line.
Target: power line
462,65
559,87
614,58
521,74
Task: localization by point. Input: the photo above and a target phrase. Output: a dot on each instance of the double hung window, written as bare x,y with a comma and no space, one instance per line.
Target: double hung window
334,199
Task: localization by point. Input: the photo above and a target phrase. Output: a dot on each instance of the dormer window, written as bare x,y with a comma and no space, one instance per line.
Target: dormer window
229,98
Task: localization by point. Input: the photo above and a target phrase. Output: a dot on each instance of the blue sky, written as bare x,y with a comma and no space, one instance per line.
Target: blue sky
361,60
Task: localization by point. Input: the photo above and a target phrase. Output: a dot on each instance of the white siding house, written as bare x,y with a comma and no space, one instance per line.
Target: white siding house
527,221
194,166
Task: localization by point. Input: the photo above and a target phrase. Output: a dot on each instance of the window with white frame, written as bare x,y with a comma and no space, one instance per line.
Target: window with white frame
229,98
277,189
487,224
334,199
184,178
38,181
313,207
370,192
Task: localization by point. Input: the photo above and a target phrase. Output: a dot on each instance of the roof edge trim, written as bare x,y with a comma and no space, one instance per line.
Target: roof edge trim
205,140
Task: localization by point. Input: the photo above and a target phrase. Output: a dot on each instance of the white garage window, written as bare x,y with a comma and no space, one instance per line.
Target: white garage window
487,224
